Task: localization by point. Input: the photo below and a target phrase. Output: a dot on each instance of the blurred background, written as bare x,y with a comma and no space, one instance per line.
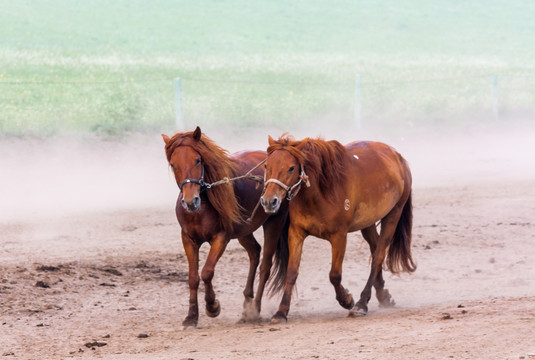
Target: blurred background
86,88
110,68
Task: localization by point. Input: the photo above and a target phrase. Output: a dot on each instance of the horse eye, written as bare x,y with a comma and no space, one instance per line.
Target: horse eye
172,166
198,161
292,168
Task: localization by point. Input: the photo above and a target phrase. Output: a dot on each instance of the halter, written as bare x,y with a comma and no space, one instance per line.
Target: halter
200,181
290,194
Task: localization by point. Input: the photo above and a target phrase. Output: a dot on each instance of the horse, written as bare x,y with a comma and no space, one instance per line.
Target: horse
332,190
216,213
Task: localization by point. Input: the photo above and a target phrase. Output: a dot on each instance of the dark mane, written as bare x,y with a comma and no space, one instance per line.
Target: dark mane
323,160
217,165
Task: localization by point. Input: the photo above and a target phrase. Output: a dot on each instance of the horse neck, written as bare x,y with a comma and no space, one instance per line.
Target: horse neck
219,164
315,194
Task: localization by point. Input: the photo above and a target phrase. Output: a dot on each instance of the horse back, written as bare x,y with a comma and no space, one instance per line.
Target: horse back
373,157
247,159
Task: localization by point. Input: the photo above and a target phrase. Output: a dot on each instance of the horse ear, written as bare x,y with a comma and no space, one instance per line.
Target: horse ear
165,139
197,134
271,142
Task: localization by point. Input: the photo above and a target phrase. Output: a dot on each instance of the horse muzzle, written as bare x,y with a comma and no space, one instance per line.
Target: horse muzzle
193,205
270,205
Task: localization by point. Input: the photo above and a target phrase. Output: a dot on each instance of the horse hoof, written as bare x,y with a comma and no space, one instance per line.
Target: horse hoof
189,323
387,304
214,310
247,301
250,313
385,300
358,312
248,319
349,302
279,318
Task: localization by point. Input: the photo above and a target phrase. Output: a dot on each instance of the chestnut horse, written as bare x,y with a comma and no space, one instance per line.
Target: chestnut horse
348,188
216,214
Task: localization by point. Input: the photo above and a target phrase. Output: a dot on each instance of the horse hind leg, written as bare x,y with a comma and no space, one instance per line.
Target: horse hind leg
378,248
395,237
383,295
253,250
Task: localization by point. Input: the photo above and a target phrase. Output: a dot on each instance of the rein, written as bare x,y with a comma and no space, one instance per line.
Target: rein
249,176
225,180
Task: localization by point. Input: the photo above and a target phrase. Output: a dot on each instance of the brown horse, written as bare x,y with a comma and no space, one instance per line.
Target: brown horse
216,214
348,188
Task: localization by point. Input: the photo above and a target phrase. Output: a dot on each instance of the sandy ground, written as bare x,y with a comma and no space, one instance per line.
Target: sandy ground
93,273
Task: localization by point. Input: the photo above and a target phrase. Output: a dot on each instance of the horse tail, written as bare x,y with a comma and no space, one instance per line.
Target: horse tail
282,254
399,253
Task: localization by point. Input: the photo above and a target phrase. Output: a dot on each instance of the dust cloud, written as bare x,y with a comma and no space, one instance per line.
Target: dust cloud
55,177
44,178
483,152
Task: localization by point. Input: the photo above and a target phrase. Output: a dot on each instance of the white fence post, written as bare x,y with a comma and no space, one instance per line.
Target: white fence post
495,103
179,112
358,101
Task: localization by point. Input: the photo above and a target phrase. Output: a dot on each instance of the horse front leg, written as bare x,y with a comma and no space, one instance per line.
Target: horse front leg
253,250
192,253
296,239
217,247
338,245
275,242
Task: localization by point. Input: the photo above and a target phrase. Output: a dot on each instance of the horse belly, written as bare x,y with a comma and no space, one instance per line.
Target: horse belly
367,213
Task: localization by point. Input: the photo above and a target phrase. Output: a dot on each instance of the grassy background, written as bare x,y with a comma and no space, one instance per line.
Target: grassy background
108,67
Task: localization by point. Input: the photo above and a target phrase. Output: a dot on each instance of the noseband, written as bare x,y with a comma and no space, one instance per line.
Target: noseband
290,193
200,181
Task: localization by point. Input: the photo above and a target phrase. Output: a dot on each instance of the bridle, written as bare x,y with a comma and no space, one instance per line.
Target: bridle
290,193
292,190
199,181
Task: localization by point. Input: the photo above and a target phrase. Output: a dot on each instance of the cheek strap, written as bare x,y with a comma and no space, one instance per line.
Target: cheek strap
290,193
200,181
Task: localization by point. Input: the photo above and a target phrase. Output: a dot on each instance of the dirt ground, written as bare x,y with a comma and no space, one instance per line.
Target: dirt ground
109,279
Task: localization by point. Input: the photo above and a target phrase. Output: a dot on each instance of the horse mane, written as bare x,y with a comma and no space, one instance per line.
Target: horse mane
322,160
217,165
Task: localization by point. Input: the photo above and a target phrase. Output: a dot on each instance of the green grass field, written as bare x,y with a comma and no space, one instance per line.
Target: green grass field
108,67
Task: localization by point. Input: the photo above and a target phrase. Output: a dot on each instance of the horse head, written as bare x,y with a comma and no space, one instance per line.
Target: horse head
188,168
285,174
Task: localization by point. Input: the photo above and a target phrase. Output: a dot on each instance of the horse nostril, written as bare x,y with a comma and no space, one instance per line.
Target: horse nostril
262,201
274,202
196,201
